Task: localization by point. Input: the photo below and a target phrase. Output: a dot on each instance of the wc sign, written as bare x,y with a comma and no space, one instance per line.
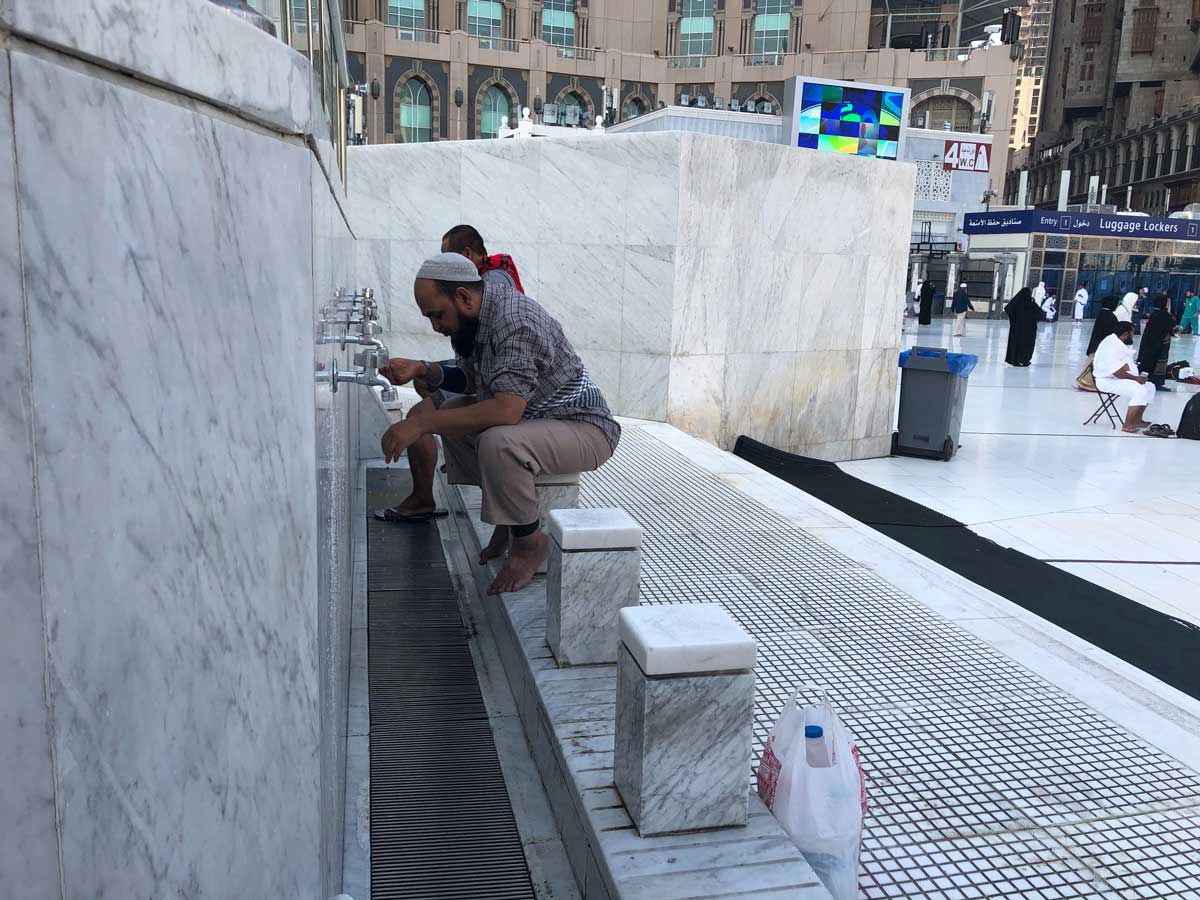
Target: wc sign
967,156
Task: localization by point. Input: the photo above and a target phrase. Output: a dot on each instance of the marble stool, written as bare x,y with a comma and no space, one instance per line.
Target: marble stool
554,492
685,706
595,565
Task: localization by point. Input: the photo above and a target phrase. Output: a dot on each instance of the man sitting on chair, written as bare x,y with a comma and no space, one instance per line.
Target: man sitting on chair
1116,372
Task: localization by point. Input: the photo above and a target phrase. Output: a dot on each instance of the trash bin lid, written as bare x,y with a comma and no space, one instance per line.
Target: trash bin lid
960,364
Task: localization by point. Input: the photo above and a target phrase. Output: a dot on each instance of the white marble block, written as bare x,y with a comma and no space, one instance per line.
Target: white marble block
554,492
685,706
595,566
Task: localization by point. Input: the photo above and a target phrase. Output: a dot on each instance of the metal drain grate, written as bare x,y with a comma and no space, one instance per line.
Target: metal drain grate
442,827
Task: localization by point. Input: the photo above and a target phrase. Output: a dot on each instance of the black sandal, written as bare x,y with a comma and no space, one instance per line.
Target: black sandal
393,514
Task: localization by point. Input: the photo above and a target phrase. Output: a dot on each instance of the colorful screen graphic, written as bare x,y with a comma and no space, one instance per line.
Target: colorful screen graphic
858,121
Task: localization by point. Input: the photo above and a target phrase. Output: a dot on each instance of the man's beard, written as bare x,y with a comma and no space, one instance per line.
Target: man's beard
463,340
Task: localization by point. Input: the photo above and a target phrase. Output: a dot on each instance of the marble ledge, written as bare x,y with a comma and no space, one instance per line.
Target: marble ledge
191,46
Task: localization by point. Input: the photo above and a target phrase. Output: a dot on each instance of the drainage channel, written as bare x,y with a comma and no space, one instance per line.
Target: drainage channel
441,822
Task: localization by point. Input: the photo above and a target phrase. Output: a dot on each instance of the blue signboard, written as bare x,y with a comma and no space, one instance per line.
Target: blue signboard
1048,221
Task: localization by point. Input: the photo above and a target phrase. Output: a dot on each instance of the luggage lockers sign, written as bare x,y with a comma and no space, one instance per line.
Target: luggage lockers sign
968,156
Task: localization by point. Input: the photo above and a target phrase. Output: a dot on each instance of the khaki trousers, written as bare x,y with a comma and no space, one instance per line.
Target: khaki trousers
504,461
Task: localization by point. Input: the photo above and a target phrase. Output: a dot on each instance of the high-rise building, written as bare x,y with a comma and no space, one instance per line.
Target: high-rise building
452,69
1037,21
1121,106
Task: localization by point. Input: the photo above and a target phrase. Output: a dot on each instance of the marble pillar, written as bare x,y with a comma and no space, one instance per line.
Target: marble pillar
595,570
554,492
685,707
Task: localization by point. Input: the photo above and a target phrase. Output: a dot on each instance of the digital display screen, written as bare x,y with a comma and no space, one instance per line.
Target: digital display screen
852,120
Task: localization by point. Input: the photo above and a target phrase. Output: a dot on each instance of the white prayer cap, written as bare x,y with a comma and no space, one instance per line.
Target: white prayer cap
449,267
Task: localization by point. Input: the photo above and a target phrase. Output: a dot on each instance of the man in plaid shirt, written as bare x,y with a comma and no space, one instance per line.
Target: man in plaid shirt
536,410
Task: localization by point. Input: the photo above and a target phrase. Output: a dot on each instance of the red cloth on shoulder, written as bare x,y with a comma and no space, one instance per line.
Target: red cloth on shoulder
505,263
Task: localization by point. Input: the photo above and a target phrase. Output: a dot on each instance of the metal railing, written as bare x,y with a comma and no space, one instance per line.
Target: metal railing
576,53
503,45
948,54
418,35
762,59
687,62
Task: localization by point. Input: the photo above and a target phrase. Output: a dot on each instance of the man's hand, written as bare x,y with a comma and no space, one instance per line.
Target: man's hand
401,371
1141,379
400,437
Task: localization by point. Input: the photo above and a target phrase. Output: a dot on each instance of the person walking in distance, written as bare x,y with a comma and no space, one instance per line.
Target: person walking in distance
926,314
1023,315
960,305
1081,300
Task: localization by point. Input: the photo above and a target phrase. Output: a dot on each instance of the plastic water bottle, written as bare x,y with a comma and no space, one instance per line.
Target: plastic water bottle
816,751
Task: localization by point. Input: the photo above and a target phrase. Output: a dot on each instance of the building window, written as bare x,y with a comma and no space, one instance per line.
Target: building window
406,13
696,28
416,113
484,20
1145,26
1093,23
495,107
572,110
1158,102
299,15
771,24
558,23
950,113
634,108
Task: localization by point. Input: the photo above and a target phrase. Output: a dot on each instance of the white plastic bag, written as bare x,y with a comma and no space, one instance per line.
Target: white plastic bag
821,809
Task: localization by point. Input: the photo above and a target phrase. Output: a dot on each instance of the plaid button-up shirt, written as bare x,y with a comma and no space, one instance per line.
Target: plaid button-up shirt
520,349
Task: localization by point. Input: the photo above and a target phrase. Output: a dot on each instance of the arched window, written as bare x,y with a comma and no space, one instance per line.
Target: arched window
760,105
416,113
496,106
937,111
696,30
558,23
572,110
634,107
771,23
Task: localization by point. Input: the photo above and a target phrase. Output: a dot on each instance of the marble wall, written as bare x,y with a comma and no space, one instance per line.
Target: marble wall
728,287
175,544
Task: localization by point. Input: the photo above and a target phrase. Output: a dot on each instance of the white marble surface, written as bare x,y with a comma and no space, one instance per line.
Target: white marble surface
676,316
188,45
177,501
682,747
29,848
550,496
584,593
686,638
594,529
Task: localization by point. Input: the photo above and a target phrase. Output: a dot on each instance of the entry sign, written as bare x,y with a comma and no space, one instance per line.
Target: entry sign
967,156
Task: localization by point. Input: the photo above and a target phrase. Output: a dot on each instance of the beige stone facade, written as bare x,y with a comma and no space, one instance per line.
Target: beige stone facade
628,55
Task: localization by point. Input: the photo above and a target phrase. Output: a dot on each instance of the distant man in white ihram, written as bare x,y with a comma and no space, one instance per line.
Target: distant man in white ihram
1116,372
1081,299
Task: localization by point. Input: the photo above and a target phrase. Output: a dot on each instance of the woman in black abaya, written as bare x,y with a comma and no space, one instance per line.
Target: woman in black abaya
926,312
1155,349
1106,324
1023,315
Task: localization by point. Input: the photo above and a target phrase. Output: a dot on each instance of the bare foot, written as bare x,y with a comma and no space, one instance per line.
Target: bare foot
413,505
496,547
524,557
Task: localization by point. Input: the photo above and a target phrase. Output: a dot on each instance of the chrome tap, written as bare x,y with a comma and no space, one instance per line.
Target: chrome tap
366,337
368,377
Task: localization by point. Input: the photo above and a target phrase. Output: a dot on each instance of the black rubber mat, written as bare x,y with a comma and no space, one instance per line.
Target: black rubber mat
1156,643
442,827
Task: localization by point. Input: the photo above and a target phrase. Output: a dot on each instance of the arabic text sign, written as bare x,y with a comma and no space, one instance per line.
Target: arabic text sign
1101,224
969,156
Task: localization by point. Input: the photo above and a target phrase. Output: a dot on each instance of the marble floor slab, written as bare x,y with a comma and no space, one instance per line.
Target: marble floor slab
1122,511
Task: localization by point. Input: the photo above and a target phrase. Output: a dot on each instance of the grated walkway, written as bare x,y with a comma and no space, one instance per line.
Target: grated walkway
985,780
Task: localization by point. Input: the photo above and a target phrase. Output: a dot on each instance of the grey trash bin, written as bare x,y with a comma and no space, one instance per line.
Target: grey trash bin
933,388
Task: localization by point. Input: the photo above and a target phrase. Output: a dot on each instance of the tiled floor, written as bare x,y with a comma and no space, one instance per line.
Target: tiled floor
986,780
1120,510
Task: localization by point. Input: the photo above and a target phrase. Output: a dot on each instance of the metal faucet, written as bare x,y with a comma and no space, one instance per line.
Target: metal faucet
366,337
370,360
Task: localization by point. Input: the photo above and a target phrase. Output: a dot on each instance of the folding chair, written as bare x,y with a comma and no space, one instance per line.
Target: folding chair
1108,406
